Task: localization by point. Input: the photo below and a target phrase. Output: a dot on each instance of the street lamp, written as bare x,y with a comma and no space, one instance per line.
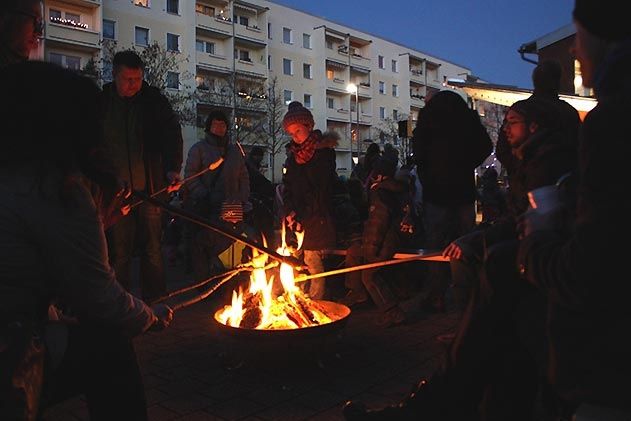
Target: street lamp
351,88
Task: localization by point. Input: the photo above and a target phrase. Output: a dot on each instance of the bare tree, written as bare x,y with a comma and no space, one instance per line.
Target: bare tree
162,70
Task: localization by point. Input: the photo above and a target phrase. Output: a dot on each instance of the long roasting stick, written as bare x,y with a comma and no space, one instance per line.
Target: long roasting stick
374,265
203,222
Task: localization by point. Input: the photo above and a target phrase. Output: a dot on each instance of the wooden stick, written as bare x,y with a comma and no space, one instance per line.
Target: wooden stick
292,261
374,265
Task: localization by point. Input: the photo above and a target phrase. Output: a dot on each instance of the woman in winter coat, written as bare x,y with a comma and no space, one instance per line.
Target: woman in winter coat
308,189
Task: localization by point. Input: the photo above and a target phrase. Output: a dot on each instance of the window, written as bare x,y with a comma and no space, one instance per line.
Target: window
244,55
141,36
287,67
395,90
330,103
173,42
395,66
395,115
173,80
54,14
306,41
109,29
242,20
382,113
143,3
173,6
69,62
205,83
306,100
329,44
269,62
330,74
204,10
205,46
382,87
269,30
381,62
287,39
287,96
306,70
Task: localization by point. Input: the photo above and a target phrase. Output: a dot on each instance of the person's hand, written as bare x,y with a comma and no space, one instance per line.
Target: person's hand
291,222
175,181
453,251
164,316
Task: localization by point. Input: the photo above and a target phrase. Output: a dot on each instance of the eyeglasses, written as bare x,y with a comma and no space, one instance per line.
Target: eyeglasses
38,23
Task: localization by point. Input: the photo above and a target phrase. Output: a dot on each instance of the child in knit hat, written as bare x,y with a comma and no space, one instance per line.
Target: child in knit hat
308,188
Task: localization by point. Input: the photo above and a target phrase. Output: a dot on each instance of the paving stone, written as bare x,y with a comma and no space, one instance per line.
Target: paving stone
236,409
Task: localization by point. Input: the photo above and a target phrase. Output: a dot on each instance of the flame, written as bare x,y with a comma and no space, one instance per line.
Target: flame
259,308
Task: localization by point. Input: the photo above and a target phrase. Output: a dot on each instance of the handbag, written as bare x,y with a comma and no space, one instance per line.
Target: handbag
22,352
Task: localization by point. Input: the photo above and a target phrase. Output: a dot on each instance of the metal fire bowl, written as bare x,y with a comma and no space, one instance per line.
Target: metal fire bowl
338,312
283,347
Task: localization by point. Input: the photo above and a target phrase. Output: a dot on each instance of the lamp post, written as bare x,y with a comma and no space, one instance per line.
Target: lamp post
351,88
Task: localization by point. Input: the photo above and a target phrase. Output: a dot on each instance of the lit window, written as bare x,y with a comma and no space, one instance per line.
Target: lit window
287,96
141,36
330,74
205,10
143,3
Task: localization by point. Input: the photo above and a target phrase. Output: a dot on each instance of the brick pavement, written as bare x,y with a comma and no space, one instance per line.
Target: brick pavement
190,371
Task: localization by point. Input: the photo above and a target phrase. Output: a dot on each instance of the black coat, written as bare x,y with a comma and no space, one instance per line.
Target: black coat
308,191
589,293
160,133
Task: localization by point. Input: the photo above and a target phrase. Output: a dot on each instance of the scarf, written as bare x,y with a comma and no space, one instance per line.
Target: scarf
304,152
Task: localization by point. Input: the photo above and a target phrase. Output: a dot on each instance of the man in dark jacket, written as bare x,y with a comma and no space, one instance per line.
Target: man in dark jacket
143,138
589,313
21,27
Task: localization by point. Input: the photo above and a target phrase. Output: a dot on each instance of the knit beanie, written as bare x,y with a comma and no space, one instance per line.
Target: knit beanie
385,166
296,113
603,18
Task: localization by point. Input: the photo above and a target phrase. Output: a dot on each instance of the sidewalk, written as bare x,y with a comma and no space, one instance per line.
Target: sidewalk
191,374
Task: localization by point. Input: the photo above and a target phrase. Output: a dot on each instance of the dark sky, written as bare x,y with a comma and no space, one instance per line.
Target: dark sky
483,35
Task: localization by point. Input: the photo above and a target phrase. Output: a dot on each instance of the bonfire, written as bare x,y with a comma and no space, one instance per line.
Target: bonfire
259,307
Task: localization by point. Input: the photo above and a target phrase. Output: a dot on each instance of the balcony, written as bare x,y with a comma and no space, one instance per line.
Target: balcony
365,91
252,34
338,114
213,61
416,75
85,3
215,25
85,38
251,67
417,100
336,85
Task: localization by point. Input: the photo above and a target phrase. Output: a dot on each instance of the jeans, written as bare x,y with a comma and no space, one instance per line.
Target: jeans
139,231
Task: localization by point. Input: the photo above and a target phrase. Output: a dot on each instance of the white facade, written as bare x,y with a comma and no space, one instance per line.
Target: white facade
229,42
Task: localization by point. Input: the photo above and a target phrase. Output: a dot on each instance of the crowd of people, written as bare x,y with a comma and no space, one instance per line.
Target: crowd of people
541,312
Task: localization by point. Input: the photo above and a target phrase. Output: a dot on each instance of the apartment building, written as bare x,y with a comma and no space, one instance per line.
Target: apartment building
355,83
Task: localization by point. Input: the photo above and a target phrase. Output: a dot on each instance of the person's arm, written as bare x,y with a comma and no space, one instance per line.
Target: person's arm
195,164
73,245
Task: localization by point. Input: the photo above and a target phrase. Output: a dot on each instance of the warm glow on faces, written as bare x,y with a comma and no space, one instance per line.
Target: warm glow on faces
515,129
128,81
218,128
298,132
589,51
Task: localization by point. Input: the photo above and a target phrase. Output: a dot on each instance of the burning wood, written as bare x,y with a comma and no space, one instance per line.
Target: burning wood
256,308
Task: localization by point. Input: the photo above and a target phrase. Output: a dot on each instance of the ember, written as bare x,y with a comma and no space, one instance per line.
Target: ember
258,308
